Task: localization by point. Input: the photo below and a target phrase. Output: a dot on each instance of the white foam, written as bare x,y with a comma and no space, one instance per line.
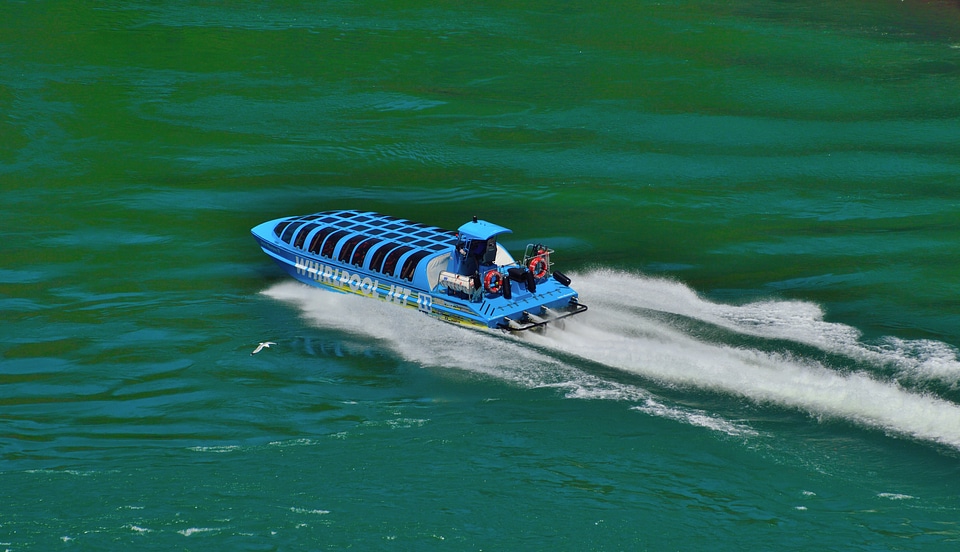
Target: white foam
309,511
797,321
430,342
896,496
195,530
423,339
219,449
614,333
696,418
619,332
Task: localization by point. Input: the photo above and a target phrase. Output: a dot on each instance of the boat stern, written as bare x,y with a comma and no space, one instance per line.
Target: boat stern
551,301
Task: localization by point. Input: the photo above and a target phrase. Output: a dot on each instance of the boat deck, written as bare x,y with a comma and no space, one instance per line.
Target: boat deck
370,241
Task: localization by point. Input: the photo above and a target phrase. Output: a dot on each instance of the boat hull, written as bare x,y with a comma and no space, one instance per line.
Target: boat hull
524,310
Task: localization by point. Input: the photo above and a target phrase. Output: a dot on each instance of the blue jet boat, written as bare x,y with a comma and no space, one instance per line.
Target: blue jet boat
464,277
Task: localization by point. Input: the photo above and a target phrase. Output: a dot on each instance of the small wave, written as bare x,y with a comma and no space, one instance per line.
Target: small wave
895,496
220,449
401,102
697,418
194,530
309,511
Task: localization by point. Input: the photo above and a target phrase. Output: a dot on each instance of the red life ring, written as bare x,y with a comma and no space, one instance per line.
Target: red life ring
538,267
493,281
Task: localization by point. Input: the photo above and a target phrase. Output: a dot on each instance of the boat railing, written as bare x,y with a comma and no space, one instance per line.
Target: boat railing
536,259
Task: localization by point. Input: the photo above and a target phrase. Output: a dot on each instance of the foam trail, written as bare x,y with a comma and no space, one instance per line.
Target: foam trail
797,321
615,334
430,342
422,339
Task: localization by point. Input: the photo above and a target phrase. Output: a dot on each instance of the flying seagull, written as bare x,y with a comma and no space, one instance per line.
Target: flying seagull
262,346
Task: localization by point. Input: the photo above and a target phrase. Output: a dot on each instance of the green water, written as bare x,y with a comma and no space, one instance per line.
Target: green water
758,200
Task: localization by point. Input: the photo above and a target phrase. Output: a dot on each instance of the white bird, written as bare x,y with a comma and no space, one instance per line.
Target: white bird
261,346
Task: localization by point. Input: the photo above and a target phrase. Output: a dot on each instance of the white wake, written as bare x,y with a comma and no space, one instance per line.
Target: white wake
621,331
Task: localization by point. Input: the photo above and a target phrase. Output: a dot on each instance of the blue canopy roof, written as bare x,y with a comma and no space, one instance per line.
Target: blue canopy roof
481,230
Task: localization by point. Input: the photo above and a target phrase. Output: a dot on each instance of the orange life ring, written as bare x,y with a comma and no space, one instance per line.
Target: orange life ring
538,267
493,281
